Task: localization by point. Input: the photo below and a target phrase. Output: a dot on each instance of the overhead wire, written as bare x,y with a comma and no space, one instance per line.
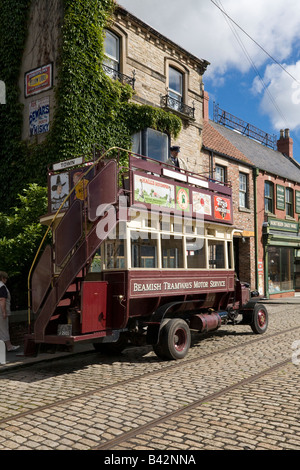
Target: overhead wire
248,35
240,42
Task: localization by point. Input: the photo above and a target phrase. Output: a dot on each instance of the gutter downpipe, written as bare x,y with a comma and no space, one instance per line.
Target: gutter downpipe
255,175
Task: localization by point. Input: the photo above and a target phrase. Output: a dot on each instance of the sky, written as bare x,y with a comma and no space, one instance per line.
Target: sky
253,47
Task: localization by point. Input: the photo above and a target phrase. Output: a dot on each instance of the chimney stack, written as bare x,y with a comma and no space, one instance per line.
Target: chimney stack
285,143
205,106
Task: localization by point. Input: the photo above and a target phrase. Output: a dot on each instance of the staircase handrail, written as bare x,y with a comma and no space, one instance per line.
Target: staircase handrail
55,217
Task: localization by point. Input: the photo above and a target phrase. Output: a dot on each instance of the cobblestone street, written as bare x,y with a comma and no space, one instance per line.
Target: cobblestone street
234,391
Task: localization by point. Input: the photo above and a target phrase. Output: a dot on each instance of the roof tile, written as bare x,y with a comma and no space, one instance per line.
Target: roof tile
215,141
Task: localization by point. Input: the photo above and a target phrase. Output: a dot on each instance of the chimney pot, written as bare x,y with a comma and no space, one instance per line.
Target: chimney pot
285,143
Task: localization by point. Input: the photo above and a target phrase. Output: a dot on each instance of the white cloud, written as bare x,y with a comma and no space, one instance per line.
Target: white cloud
281,95
201,28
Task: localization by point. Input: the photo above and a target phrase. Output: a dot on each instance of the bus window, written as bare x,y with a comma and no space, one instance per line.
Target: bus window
96,265
229,253
114,254
143,250
171,252
216,254
195,253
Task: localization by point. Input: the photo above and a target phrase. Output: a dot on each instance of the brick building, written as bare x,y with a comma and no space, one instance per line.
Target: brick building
223,161
276,193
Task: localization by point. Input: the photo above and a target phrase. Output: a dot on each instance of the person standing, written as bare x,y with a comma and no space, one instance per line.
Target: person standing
5,312
173,159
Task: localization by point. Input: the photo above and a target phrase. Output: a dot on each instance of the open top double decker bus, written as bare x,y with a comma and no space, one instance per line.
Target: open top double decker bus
139,255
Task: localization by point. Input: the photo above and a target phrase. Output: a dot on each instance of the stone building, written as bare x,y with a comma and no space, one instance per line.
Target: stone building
162,74
265,181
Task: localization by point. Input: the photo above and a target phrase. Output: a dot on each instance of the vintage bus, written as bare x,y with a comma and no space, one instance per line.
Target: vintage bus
141,253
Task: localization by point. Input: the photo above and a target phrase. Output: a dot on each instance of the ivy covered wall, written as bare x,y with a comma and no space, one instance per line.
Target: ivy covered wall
13,31
91,109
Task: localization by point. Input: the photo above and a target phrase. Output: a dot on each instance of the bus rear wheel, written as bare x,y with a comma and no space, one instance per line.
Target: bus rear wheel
174,340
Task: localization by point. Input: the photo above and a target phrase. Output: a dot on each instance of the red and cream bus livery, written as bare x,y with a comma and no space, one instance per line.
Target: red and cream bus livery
142,254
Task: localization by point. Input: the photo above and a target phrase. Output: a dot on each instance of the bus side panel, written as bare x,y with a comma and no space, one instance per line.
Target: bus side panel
94,306
117,315
168,283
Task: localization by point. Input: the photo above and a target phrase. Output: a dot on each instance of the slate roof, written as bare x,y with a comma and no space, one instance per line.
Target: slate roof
264,158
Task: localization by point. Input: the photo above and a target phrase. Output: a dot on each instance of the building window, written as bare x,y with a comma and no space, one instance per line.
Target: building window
243,190
269,197
112,52
280,269
175,89
289,202
152,144
220,173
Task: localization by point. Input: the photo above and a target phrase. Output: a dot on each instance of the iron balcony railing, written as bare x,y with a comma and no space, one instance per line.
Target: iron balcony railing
121,77
233,122
168,102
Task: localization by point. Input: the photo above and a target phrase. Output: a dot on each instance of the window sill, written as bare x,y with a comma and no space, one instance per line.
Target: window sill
245,209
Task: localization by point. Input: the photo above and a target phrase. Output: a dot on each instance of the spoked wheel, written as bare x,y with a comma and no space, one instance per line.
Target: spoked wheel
174,340
260,319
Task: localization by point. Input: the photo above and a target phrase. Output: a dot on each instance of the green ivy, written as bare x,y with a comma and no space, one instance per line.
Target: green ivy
91,109
21,234
13,31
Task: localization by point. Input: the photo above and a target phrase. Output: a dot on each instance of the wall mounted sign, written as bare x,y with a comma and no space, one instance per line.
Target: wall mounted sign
283,225
297,201
280,197
38,80
2,92
39,113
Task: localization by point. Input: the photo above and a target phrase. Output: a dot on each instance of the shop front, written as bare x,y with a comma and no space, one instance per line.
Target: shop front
281,257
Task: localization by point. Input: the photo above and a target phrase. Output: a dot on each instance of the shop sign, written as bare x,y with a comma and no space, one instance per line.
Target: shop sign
280,197
285,225
297,201
38,80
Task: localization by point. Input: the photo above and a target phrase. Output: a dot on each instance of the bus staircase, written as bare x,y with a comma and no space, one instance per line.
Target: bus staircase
58,275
